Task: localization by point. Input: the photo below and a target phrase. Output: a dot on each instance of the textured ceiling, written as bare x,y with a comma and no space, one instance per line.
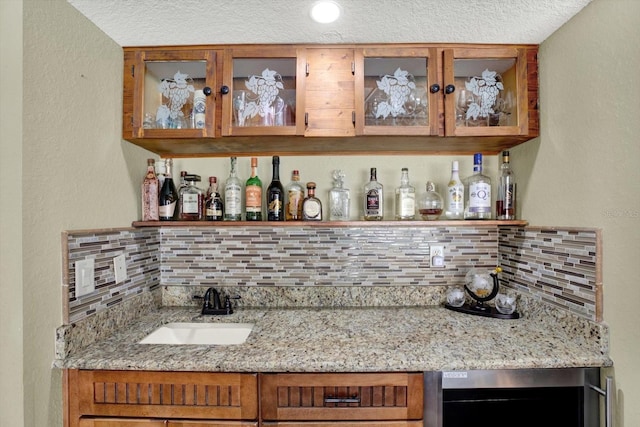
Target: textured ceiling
185,22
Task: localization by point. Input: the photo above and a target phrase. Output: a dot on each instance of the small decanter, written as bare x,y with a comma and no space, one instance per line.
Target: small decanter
338,198
430,204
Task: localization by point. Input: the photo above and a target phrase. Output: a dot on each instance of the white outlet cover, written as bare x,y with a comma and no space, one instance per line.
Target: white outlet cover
120,268
437,256
85,277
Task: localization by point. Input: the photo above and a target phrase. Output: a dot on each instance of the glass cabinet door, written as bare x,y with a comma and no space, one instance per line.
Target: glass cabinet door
485,92
173,94
394,97
262,92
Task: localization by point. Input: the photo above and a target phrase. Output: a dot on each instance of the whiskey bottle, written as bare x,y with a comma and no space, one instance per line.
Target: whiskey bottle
168,199
191,199
311,206
338,198
294,197
373,199
275,194
253,194
214,208
150,193
477,192
405,198
455,195
506,198
233,195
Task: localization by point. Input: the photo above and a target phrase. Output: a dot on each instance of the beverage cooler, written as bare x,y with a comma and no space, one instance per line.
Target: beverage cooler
568,397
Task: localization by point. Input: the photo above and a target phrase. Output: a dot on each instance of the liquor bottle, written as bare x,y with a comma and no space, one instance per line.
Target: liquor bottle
275,194
311,206
253,194
405,198
161,171
191,199
183,181
506,199
477,192
373,199
150,193
338,198
233,195
294,197
214,208
430,203
168,199
455,195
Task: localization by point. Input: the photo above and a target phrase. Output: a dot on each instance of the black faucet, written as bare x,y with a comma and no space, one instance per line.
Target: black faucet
215,306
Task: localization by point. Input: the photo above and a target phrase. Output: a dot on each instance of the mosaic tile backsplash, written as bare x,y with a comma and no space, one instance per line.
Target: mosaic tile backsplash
300,264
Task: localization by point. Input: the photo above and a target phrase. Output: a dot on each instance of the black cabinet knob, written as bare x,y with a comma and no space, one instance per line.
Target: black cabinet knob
435,88
206,90
224,90
449,89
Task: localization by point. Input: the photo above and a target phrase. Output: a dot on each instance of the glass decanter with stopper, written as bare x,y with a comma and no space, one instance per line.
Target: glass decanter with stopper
430,203
338,198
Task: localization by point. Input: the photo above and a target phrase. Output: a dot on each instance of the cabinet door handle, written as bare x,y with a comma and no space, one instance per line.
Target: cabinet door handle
449,89
435,88
353,68
306,69
608,403
335,399
353,118
306,119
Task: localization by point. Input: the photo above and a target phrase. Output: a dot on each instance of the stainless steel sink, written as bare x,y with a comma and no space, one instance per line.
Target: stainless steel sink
199,333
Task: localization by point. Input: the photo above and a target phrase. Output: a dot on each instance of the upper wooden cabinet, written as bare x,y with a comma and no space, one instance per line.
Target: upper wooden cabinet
330,99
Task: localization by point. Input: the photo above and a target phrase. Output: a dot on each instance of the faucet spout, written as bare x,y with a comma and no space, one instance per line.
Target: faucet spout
213,305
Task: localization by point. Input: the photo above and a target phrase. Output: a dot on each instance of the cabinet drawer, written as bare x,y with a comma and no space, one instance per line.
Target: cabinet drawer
134,422
342,397
195,395
346,424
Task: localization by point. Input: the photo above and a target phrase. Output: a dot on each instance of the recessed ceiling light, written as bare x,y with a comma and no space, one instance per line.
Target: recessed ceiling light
325,12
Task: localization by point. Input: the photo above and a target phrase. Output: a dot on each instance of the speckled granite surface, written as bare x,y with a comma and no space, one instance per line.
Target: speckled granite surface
350,340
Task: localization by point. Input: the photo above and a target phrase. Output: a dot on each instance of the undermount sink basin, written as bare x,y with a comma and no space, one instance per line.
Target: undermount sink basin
200,333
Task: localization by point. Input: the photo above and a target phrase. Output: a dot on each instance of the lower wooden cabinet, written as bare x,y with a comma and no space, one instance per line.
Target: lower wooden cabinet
203,399
116,422
342,397
144,398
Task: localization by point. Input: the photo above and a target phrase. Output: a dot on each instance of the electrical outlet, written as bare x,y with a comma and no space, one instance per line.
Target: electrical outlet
85,277
437,256
120,268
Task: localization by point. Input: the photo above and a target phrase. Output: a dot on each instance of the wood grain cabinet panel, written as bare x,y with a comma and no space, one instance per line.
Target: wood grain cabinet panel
342,397
166,395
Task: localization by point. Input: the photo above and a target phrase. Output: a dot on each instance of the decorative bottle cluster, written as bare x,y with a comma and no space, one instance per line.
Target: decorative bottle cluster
469,199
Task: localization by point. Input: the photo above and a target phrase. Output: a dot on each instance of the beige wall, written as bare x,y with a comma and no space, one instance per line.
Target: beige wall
77,173
11,352
583,170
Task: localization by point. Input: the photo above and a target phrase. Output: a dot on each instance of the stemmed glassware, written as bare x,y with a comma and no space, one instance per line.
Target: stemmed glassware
239,103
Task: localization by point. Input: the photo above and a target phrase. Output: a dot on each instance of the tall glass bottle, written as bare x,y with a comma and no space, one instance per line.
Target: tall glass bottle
275,194
214,208
455,195
150,193
233,195
477,192
294,197
405,198
253,194
506,198
191,199
311,205
168,199
338,198
373,198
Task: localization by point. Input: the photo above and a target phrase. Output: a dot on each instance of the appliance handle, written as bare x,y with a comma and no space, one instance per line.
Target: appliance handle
608,401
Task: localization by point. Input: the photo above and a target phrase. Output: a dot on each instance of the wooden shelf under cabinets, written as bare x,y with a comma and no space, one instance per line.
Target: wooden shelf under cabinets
352,224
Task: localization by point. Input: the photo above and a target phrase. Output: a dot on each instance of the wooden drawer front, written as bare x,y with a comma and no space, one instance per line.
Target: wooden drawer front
392,396
347,424
132,422
168,394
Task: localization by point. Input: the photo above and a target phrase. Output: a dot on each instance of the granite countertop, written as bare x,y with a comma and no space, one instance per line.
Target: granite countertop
348,340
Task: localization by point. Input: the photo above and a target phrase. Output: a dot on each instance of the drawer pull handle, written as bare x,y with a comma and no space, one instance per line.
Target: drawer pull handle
335,399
